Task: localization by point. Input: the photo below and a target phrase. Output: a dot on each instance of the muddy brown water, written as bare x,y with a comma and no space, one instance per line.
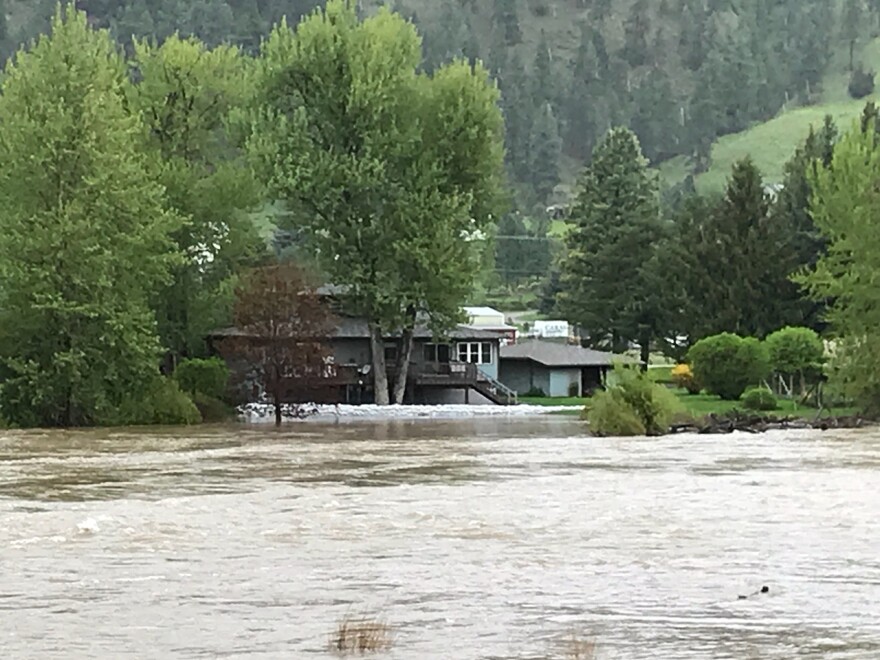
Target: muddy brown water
472,538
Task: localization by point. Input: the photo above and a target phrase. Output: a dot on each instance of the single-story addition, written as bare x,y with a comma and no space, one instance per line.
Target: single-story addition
555,369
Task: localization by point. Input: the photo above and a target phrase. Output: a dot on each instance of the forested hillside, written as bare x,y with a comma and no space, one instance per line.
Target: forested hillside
678,72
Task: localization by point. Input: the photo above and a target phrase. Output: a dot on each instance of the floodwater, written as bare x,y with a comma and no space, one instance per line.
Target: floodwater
496,538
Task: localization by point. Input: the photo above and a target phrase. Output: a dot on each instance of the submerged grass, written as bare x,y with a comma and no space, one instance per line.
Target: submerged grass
577,648
361,637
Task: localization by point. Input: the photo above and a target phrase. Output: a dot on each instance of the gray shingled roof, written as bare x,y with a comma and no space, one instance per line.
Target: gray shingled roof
552,354
349,327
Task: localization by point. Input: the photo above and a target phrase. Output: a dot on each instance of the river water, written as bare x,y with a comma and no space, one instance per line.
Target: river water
495,538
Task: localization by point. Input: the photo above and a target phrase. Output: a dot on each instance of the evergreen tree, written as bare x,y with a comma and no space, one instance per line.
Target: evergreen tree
736,261
656,118
635,34
84,234
546,150
507,21
616,228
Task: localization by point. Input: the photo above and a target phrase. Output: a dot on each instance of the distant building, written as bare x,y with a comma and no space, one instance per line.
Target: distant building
560,330
554,368
490,320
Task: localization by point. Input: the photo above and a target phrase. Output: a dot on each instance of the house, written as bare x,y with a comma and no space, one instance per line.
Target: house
491,320
460,368
554,368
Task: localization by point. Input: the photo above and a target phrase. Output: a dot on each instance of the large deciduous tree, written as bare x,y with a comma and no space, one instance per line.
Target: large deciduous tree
845,205
605,286
84,232
392,172
186,93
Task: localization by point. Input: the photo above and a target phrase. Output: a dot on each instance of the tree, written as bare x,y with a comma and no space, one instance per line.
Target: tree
506,20
84,234
616,227
281,330
735,261
394,174
796,352
726,364
187,94
844,207
635,31
546,151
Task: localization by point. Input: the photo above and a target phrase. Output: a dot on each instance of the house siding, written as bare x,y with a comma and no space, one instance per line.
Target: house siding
524,375
561,379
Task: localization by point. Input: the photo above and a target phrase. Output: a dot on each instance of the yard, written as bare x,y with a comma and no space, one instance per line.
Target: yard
698,405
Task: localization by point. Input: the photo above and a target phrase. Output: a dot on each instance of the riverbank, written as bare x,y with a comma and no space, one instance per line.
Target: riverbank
696,405
264,413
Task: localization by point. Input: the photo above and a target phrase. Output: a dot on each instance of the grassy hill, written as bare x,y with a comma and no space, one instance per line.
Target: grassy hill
772,143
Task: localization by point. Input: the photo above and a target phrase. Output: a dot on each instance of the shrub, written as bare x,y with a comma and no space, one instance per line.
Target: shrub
574,390
727,364
208,377
796,351
535,393
359,637
759,398
161,403
634,405
683,378
861,83
211,409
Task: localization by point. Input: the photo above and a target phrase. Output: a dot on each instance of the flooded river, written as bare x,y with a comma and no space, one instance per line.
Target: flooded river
494,538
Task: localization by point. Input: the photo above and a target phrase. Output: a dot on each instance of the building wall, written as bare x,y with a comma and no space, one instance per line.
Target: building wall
524,375
351,351
446,396
561,379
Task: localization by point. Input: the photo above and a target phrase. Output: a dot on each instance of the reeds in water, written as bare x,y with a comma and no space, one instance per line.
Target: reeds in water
361,636
576,648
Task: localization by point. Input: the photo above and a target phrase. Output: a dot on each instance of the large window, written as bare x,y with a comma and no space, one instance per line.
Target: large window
475,352
437,353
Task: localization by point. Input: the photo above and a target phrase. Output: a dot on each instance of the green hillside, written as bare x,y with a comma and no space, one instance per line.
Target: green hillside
771,143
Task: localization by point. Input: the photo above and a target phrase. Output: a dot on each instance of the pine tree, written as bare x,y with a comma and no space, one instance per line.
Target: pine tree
656,118
635,34
616,228
507,22
546,150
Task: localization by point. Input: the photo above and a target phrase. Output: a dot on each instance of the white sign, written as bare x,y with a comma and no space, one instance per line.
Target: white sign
552,329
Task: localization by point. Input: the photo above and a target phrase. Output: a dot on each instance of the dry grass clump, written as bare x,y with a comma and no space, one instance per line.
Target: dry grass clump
361,636
575,648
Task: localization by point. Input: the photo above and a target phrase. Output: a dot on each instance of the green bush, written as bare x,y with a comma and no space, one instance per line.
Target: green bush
574,390
634,405
208,377
796,351
759,398
161,403
535,393
727,364
212,410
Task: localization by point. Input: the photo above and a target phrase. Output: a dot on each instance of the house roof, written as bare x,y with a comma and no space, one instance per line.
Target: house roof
553,354
350,327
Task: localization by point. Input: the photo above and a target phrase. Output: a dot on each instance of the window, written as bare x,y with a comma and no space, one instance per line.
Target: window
437,353
390,352
475,352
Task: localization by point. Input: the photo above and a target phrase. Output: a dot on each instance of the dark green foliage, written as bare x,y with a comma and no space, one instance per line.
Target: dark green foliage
535,393
759,399
212,410
727,364
605,287
633,404
208,377
162,402
735,260
861,83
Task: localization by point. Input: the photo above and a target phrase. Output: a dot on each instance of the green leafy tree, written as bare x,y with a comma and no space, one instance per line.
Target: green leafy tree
616,228
394,174
844,207
84,234
187,93
796,353
726,364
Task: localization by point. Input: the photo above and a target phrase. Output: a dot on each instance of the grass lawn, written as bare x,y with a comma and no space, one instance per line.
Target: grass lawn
698,405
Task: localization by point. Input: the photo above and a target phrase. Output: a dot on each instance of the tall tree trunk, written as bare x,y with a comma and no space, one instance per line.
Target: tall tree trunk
276,394
645,348
277,403
404,355
380,376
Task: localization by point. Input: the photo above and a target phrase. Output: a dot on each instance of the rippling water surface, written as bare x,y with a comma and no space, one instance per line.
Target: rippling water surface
473,539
